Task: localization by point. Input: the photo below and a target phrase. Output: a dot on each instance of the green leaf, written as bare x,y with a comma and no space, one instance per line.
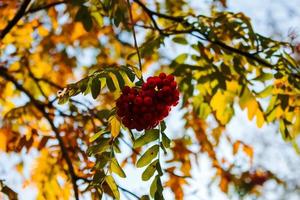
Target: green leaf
165,140
102,160
278,75
181,58
163,126
83,84
137,72
158,168
151,45
116,148
148,156
116,168
113,186
129,73
120,79
265,92
83,15
264,77
95,87
99,148
110,84
77,2
149,136
180,40
145,197
63,100
97,135
149,171
204,110
153,186
159,189
97,15
284,100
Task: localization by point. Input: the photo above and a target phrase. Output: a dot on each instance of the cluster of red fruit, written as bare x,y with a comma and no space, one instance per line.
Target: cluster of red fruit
143,108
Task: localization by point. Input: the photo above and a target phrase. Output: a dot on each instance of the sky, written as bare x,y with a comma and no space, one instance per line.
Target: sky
268,17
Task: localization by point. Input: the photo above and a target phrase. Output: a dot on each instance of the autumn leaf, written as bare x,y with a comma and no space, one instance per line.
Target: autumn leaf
115,126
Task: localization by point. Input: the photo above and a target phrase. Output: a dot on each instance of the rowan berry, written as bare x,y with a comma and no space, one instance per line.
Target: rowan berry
147,101
144,108
162,75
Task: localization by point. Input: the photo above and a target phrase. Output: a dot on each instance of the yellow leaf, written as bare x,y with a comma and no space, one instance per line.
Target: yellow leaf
249,151
248,101
115,126
224,184
3,140
43,31
220,103
113,186
236,147
260,120
137,72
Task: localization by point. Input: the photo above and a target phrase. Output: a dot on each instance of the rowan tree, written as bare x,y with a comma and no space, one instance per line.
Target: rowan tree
83,81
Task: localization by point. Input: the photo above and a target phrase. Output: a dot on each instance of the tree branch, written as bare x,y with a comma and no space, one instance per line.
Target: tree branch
193,30
22,12
16,18
152,13
39,105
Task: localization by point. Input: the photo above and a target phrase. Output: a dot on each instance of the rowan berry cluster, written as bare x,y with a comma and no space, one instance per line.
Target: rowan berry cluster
143,108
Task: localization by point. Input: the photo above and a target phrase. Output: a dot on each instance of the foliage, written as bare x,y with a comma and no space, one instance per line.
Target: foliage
223,63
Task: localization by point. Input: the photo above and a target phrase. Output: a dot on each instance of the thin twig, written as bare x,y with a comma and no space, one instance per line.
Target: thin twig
129,192
134,35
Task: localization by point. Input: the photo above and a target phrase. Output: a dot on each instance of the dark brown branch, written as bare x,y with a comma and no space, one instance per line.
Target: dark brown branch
41,107
152,13
22,12
16,18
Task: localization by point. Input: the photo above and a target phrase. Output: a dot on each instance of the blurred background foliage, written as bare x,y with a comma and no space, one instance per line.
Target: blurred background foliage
63,64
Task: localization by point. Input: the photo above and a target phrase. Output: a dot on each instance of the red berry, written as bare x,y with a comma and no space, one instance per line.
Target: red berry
131,97
162,75
173,85
169,100
148,101
159,107
144,108
147,116
170,78
166,89
149,93
151,84
166,82
145,86
136,109
160,95
126,90
138,100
